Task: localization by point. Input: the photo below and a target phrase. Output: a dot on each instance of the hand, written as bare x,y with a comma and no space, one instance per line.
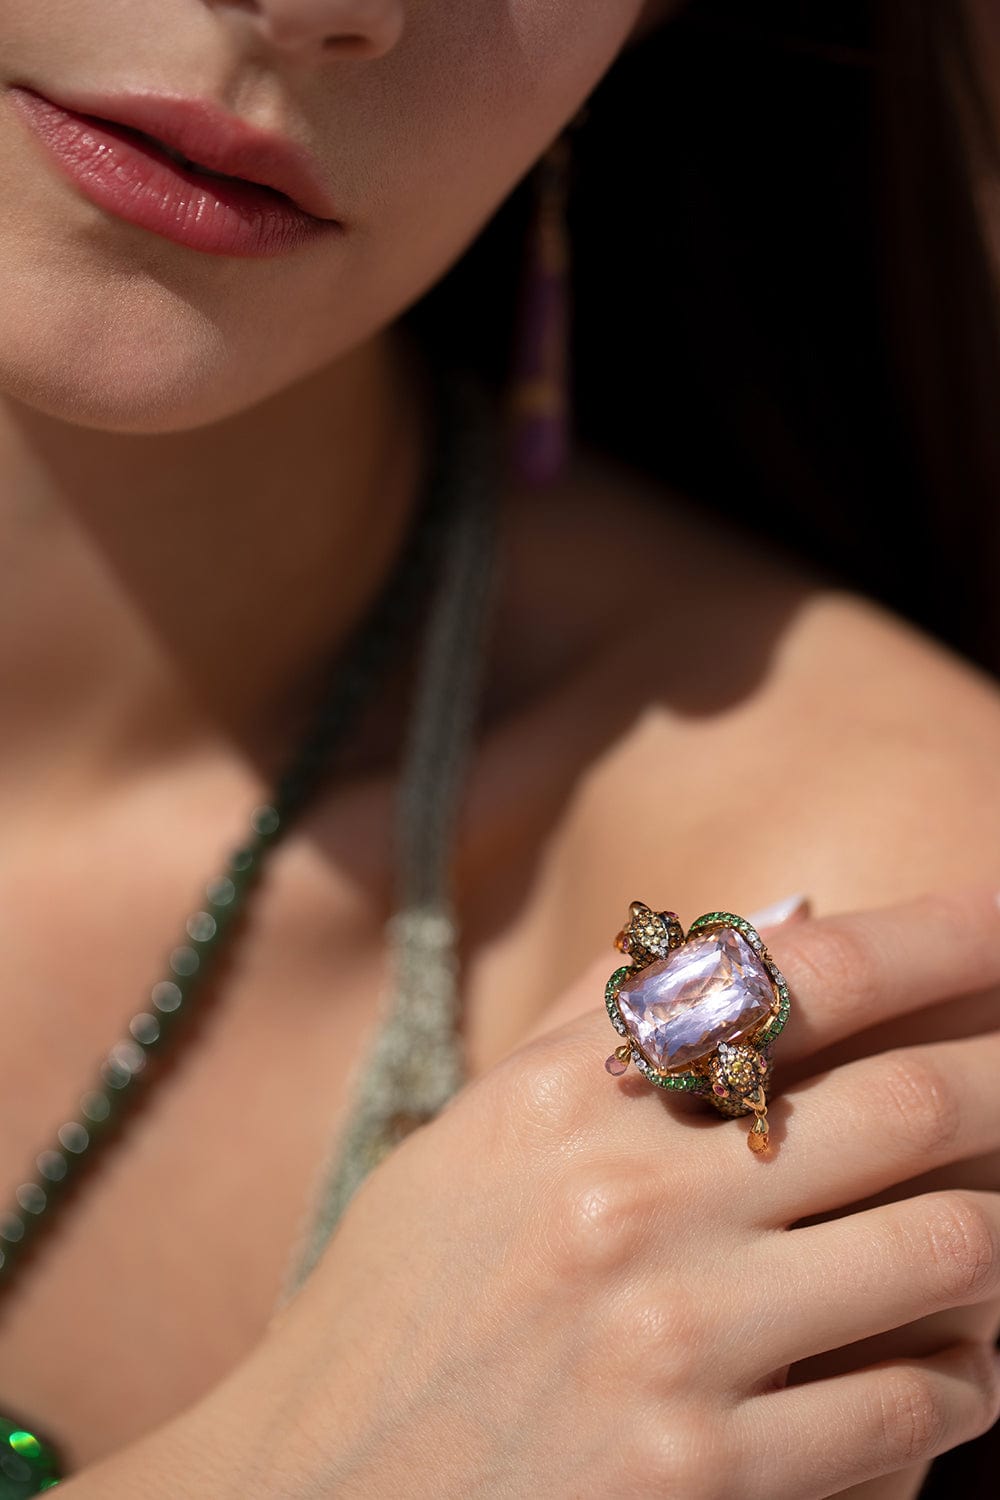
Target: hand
578,1286
972,1008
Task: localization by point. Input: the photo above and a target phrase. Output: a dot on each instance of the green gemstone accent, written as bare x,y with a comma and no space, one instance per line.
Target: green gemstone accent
725,919
691,1083
616,981
28,1466
784,1006
611,989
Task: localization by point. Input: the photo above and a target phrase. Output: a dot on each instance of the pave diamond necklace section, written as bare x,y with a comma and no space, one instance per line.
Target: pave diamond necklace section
450,538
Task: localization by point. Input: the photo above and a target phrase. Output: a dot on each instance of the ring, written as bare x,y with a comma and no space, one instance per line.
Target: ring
699,1013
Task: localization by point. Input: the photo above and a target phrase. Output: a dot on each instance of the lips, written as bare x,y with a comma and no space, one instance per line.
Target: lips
185,169
173,153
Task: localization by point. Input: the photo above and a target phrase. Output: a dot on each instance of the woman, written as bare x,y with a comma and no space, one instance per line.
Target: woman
559,1285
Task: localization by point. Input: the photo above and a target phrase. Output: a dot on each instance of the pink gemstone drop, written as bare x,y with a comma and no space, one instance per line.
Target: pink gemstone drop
615,1065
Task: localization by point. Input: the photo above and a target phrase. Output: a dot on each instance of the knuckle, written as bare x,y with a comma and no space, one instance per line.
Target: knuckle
687,1458
964,1246
540,1094
912,1418
923,1107
667,1340
834,959
597,1218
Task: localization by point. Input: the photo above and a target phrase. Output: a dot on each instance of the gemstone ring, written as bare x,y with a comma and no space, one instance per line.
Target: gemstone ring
698,1013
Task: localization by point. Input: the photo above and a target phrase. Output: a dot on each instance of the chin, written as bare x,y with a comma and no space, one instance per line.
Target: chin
122,358
105,337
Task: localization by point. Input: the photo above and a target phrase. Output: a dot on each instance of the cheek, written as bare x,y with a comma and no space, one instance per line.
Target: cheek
449,133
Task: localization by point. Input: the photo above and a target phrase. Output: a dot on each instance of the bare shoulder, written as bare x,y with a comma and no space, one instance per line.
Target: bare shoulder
745,729
700,723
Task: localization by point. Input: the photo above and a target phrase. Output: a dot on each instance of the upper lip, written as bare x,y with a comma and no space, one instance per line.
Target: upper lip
209,136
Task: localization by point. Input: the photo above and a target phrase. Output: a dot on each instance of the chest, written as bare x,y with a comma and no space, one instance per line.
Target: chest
160,1271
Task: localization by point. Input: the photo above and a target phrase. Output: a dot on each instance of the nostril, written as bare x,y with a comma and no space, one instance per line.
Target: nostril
355,43
348,28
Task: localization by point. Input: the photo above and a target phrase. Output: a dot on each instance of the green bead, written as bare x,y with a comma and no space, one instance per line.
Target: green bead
28,1465
202,926
220,891
184,960
11,1227
265,819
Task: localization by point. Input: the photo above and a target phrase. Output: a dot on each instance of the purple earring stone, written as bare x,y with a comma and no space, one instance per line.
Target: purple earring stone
540,442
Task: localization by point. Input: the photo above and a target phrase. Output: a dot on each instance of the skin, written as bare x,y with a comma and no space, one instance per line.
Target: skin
152,395
580,1333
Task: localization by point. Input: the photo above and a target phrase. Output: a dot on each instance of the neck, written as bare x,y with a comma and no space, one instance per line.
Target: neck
163,591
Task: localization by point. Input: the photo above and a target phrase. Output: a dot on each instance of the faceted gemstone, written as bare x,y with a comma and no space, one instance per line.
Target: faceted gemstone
757,1140
712,989
615,1065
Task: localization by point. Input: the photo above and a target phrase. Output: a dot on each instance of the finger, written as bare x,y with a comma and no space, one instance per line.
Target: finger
878,1420
577,1001
581,1006
867,1272
845,973
863,1127
850,972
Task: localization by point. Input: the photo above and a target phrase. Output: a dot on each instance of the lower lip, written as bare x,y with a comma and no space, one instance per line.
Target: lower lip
131,178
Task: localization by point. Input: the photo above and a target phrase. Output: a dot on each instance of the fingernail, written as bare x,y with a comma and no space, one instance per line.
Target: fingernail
781,911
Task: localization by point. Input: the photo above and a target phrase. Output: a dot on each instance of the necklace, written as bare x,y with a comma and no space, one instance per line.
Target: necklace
415,1063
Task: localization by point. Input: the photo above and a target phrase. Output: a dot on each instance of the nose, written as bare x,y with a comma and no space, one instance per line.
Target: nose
351,28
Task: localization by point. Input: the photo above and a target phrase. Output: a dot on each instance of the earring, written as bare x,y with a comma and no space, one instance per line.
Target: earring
539,392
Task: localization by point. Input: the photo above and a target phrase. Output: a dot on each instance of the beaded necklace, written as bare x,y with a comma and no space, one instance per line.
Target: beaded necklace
415,1063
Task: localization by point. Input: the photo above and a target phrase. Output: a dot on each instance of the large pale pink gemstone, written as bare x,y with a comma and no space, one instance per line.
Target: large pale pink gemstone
713,989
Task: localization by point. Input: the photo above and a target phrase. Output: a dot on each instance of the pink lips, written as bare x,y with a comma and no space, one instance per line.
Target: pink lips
270,202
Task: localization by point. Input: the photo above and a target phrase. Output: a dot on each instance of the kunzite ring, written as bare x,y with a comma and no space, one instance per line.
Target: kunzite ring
698,1013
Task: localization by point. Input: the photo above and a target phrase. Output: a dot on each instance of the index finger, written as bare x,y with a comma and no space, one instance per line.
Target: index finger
847,972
